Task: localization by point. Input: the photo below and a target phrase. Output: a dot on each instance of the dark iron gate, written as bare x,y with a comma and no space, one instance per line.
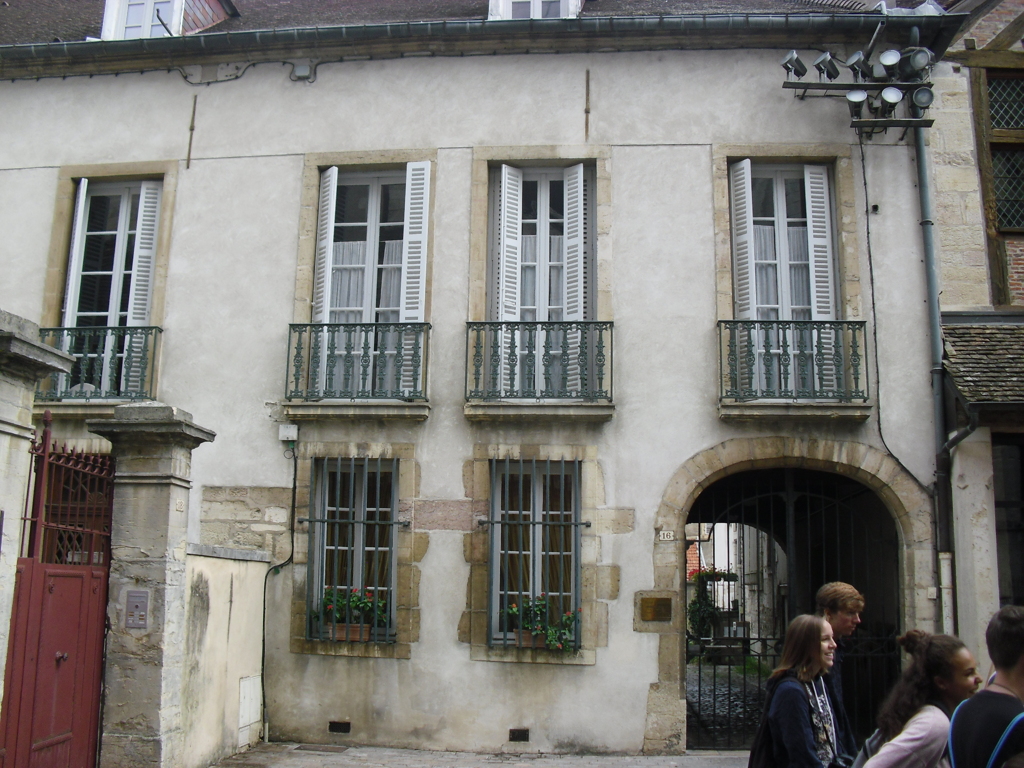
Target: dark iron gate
759,545
55,648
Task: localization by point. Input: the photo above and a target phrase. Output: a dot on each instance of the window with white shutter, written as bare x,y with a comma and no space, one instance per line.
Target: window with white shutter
534,9
146,18
783,250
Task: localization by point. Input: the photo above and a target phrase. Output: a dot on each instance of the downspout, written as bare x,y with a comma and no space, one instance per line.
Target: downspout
943,490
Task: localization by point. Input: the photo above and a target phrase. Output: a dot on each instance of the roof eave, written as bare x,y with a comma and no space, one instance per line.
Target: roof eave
469,37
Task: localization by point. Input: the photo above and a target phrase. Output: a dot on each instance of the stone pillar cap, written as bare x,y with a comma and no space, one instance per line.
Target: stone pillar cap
24,355
151,420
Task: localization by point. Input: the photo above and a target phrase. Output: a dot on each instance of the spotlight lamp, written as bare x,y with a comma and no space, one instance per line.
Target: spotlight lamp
855,101
915,62
923,97
890,61
826,66
889,98
858,65
793,65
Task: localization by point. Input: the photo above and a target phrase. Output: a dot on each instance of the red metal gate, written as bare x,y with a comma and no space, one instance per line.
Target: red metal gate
50,716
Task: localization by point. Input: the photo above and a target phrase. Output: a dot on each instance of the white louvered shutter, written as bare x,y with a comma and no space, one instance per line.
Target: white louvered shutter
76,254
322,270
822,263
139,349
574,272
743,277
510,214
145,253
324,245
819,242
743,284
414,272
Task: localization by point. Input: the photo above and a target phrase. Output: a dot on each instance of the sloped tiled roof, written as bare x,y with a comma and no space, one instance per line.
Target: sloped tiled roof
45,21
986,361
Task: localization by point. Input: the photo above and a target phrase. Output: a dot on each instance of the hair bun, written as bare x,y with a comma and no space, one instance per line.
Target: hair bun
914,641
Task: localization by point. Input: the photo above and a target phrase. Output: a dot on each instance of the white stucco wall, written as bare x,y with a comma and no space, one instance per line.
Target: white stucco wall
229,299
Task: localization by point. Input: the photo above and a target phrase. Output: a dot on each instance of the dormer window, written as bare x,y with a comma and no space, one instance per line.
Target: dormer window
534,9
132,19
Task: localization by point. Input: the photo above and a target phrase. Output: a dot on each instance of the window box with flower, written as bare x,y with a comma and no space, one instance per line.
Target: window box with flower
354,615
534,622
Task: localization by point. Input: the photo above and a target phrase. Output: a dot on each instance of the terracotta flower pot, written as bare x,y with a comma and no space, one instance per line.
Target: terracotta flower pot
524,639
350,633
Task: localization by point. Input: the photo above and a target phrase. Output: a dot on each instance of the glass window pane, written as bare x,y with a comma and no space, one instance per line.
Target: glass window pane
353,204
99,253
521,9
550,9
94,294
556,199
530,193
796,207
392,203
763,193
103,213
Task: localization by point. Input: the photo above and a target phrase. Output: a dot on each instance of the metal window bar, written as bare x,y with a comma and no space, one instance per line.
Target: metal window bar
353,519
68,514
793,360
534,567
539,360
773,537
357,361
110,363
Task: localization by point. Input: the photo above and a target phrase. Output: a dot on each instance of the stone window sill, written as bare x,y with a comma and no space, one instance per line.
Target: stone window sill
533,410
794,410
325,410
584,657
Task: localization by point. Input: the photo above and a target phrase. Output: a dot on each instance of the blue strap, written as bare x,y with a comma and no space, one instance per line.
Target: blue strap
949,740
1003,738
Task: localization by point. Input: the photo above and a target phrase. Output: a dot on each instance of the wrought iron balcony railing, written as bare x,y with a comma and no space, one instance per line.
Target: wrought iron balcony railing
357,361
793,360
110,363
539,361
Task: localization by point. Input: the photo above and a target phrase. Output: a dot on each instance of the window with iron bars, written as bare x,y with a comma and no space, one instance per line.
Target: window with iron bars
352,521
535,545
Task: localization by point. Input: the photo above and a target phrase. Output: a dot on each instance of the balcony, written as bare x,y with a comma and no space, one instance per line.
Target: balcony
793,368
379,368
110,363
537,370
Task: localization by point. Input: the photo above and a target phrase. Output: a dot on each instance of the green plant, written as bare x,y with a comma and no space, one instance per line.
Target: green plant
535,616
353,607
701,614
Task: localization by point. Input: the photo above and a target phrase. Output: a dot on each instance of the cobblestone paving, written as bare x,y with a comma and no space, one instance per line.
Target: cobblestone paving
281,755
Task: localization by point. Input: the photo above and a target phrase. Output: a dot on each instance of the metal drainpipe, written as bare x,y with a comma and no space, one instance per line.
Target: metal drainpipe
943,490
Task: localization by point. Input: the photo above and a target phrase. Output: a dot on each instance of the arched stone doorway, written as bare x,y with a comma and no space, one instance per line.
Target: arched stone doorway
763,541
906,501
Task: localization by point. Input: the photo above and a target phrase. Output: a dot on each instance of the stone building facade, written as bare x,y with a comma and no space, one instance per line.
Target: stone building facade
447,443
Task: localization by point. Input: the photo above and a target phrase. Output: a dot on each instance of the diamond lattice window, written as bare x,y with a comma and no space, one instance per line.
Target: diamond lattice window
1008,178
1006,102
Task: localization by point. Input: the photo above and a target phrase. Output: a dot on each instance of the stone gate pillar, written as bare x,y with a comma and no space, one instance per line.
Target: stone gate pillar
24,360
145,653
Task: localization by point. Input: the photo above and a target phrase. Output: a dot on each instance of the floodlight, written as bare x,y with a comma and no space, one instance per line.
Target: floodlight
855,101
889,98
890,60
858,64
914,62
826,66
793,65
923,97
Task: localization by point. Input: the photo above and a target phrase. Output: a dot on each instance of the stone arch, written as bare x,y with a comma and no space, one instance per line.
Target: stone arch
908,502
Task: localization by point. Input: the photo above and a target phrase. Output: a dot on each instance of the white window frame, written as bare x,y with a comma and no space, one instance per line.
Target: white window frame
571,593
115,14
414,241
820,247
502,9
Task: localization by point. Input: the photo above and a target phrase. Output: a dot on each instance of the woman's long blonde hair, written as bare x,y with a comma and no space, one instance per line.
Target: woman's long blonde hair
802,650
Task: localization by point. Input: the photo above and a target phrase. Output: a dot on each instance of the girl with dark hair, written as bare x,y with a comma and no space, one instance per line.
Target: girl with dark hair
914,720
798,728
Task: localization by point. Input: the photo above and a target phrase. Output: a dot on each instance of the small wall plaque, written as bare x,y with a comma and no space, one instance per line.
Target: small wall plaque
137,613
666,535
656,609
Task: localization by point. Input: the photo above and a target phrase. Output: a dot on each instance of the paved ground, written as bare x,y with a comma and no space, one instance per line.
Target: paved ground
280,755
